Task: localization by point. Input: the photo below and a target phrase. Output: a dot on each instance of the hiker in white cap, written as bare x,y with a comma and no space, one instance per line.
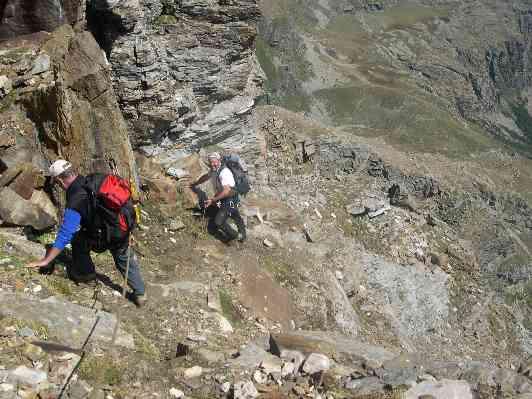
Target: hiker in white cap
224,203
76,227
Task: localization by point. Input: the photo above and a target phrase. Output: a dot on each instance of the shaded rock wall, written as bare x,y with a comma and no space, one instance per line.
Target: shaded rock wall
21,17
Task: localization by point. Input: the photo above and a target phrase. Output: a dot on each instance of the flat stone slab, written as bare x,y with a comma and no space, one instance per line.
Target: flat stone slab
22,246
334,345
166,289
444,389
68,322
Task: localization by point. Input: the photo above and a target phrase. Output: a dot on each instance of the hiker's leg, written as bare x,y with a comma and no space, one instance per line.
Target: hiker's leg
134,278
210,214
82,267
235,215
202,196
221,223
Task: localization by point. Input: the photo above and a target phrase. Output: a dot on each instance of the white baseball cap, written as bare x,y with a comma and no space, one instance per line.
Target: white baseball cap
214,155
59,167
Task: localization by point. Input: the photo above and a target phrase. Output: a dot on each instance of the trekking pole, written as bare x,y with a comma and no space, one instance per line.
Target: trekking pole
83,353
124,283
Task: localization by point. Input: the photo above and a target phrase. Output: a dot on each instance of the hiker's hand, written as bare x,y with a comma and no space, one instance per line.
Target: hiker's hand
208,203
37,263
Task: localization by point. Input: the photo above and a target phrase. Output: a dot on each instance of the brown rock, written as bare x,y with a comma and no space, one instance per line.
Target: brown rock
441,260
89,129
264,296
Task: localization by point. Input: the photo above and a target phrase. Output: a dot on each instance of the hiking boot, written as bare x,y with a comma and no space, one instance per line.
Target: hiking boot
139,300
242,236
83,278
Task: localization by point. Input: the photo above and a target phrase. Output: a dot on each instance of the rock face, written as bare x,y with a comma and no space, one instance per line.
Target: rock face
183,71
21,17
63,95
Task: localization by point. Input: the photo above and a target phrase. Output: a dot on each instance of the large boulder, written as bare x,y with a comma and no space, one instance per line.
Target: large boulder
38,212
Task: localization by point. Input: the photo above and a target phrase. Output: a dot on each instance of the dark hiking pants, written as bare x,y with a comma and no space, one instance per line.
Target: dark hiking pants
82,264
218,217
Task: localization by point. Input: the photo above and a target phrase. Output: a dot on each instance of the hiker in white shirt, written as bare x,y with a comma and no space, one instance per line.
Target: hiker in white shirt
224,203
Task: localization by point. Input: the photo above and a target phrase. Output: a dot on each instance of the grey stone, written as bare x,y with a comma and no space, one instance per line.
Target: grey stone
341,347
74,325
213,301
176,393
365,386
166,289
209,356
250,356
38,212
22,246
288,369
443,389
41,64
79,389
272,366
25,332
294,357
225,325
356,209
316,362
245,390
176,225
416,301
26,376
193,372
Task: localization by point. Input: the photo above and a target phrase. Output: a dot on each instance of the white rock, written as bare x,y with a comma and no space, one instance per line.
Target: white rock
5,85
6,387
339,275
268,243
225,325
287,369
225,387
443,389
272,366
245,390
26,376
193,372
176,393
316,362
260,377
213,301
295,357
178,173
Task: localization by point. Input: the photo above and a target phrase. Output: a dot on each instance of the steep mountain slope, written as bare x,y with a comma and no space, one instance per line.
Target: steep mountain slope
428,75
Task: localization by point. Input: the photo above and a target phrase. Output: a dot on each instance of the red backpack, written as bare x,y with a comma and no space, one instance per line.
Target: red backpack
111,214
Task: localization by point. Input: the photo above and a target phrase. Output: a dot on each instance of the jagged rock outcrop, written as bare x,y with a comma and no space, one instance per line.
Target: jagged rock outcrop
183,71
62,104
21,17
